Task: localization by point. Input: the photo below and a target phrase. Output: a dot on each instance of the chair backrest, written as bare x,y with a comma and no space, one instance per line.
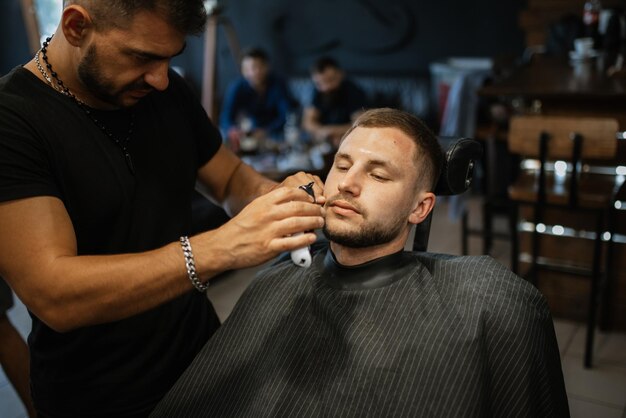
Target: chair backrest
598,136
572,139
456,177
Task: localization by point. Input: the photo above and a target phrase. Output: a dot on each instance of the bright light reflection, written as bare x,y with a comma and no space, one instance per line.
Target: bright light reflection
618,204
620,170
558,230
606,236
560,167
541,228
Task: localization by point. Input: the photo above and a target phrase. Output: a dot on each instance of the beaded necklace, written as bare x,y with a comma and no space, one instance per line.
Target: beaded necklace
62,88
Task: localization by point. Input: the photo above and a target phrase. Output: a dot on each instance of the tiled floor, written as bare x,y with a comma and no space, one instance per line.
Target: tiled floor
598,393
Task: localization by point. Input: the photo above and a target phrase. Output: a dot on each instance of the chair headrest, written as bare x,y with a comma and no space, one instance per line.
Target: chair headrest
458,166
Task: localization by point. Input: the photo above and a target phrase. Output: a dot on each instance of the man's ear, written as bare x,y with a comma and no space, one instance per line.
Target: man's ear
76,24
424,205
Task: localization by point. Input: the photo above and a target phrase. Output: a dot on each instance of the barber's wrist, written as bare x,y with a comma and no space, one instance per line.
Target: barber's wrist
190,265
211,253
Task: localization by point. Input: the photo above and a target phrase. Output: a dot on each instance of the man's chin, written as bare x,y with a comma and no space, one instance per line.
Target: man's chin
128,98
127,101
350,239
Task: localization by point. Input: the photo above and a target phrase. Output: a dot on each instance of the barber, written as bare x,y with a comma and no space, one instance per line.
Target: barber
100,149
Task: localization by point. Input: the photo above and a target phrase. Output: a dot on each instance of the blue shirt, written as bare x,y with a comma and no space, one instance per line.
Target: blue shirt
267,111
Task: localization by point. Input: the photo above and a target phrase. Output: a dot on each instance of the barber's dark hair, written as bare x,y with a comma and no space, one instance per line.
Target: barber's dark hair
186,16
323,63
256,53
428,156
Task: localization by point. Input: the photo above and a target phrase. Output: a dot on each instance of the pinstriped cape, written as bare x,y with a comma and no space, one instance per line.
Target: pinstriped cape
453,337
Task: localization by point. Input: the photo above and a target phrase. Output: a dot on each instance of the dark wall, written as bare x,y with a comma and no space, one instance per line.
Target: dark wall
367,36
14,47
371,36
384,36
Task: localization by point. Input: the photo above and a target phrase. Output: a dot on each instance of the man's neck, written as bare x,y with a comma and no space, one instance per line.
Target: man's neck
63,59
349,256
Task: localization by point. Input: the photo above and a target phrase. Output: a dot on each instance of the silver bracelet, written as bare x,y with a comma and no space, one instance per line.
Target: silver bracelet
191,265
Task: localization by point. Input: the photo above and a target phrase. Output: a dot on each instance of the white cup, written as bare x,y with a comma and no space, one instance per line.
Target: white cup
583,46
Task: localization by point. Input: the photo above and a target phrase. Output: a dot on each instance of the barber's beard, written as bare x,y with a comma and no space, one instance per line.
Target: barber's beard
369,235
90,74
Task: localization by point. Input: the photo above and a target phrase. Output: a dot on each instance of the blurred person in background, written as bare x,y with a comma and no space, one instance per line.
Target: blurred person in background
257,103
335,102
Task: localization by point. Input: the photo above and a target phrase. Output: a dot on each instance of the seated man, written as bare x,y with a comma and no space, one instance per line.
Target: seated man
335,103
257,102
372,330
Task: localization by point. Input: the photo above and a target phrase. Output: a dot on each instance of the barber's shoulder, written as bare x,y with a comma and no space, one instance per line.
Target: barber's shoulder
16,87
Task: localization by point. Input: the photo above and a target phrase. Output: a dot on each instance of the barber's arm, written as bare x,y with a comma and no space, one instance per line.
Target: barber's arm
39,259
234,184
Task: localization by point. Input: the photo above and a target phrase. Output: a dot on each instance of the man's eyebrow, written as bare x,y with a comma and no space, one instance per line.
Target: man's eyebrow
342,156
380,163
152,56
372,163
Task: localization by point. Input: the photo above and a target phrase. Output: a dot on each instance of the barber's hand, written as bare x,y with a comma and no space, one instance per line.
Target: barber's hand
300,179
264,229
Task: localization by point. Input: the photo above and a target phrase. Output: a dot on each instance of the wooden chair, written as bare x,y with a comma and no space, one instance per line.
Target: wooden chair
555,193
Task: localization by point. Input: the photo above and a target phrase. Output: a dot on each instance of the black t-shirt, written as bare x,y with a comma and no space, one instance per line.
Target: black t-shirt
50,147
337,107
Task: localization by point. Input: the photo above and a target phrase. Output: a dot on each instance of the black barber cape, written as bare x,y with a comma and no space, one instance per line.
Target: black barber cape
428,335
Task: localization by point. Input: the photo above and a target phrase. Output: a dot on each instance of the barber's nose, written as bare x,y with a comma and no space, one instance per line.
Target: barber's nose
157,76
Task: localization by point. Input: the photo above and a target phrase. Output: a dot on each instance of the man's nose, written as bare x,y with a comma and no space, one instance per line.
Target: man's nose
350,184
157,76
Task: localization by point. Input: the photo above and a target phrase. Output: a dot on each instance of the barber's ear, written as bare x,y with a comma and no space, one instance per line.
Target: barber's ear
424,205
76,24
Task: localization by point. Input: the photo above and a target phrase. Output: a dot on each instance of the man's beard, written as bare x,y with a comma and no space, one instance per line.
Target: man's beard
371,234
91,76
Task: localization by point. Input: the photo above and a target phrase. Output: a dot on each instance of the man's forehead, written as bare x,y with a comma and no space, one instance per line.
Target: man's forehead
152,31
378,141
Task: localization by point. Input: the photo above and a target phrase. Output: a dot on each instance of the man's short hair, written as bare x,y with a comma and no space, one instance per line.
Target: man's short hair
186,16
323,63
428,156
256,53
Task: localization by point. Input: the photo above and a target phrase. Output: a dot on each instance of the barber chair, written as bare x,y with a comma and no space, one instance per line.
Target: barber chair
563,200
456,177
499,168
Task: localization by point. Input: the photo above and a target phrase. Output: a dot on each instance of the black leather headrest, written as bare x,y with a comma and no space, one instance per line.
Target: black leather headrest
458,167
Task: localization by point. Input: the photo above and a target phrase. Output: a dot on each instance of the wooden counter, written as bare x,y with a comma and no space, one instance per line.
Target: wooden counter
564,88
